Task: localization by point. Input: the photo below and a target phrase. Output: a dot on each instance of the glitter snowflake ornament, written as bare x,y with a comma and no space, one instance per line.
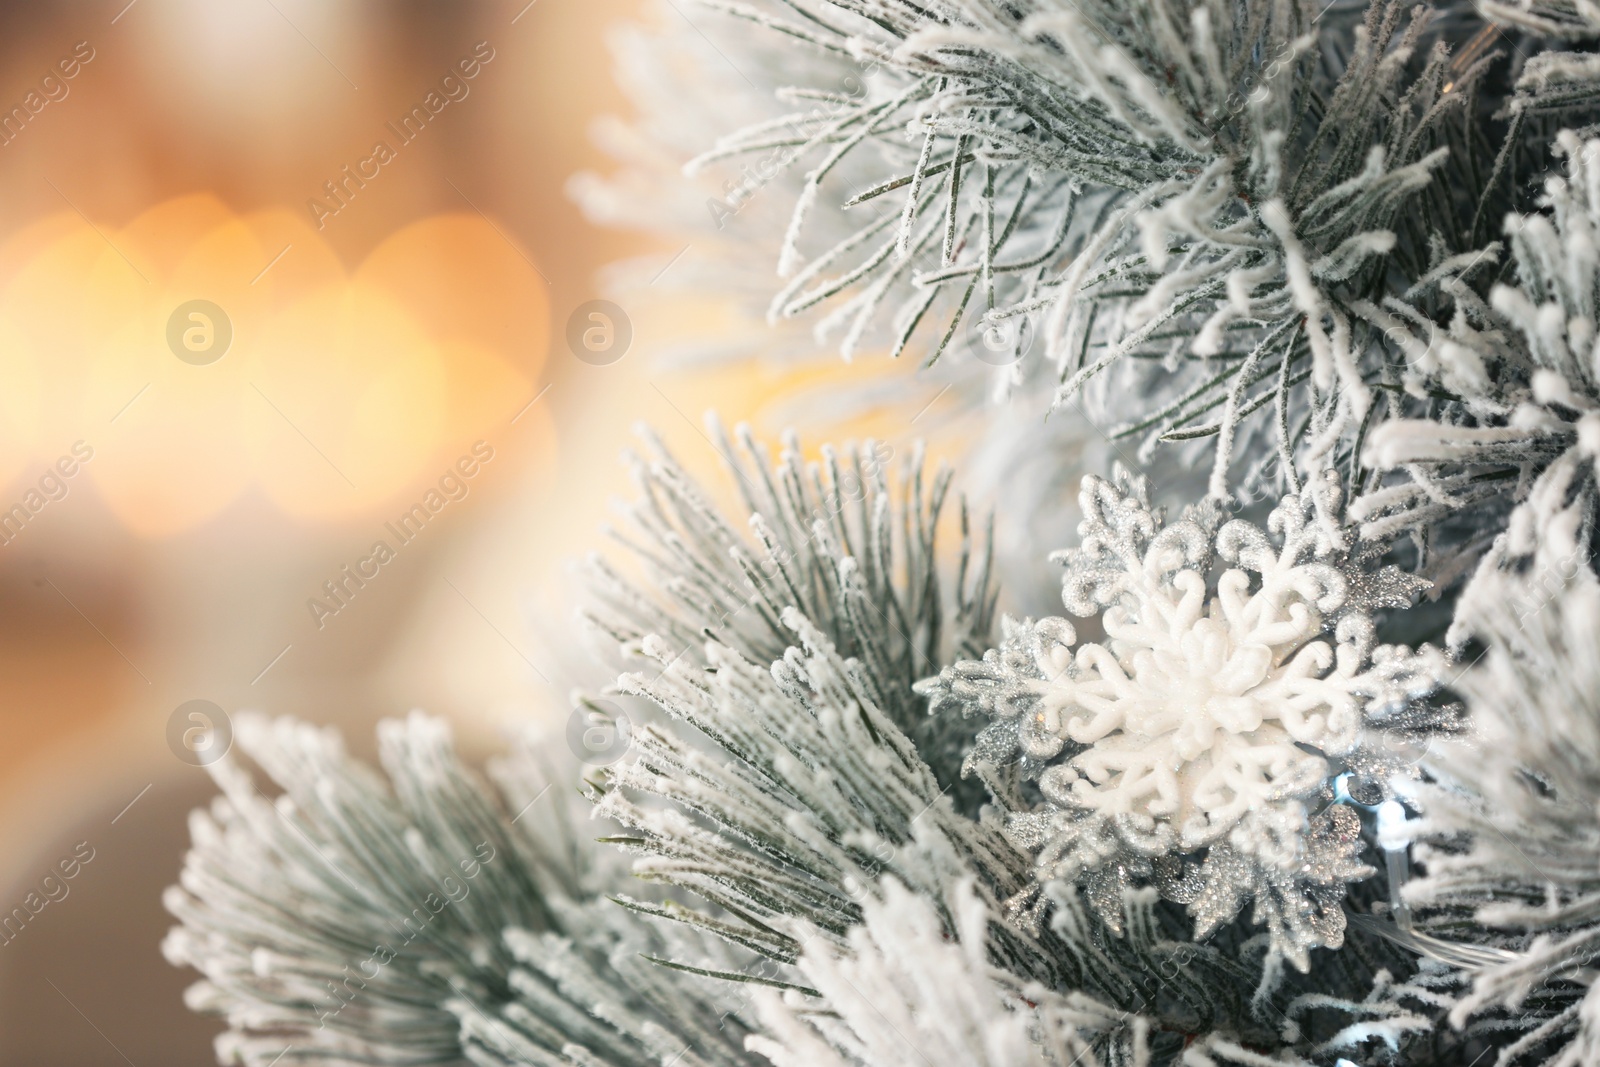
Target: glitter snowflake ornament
1196,746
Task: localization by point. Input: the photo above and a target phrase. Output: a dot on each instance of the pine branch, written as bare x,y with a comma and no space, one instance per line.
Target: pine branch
359,920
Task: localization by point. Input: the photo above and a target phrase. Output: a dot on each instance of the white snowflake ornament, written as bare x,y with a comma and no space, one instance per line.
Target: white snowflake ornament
1195,745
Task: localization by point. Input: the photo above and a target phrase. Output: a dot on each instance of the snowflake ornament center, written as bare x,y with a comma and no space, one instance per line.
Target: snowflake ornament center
1192,714
1197,685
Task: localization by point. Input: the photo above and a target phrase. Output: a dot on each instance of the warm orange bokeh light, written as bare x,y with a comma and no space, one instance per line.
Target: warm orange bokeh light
338,389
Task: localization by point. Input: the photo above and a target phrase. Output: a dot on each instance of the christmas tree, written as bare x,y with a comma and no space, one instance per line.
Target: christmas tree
1281,322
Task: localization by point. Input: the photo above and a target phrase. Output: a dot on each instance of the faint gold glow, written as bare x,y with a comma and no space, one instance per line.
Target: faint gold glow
339,390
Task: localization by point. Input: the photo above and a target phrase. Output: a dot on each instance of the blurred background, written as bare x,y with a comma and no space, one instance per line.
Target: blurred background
260,295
